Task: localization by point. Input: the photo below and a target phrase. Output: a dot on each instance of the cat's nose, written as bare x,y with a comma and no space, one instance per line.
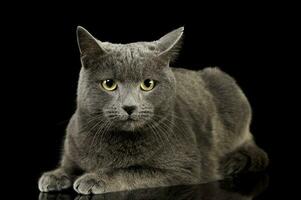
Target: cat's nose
129,109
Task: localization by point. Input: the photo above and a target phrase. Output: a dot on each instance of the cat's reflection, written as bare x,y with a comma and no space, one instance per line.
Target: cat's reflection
244,188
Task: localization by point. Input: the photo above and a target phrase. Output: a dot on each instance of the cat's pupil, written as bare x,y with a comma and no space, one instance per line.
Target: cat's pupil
109,82
147,82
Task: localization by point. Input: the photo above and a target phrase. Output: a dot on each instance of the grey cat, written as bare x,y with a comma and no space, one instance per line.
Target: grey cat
140,123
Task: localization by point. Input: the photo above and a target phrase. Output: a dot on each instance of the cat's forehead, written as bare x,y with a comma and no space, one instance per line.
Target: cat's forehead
140,49
133,61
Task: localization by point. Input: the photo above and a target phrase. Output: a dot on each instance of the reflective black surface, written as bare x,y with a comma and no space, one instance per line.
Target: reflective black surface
243,188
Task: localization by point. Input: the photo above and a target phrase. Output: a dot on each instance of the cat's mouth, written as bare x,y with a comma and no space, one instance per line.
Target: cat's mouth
130,123
130,120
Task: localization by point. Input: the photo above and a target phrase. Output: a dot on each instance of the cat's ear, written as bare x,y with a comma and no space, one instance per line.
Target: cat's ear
87,44
169,45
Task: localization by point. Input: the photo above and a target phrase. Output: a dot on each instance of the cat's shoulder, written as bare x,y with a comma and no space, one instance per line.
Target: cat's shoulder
181,70
210,74
184,73
223,87
216,79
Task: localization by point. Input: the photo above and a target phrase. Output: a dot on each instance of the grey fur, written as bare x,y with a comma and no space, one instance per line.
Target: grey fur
193,127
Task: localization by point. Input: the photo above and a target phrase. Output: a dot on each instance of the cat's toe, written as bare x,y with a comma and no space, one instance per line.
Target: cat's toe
54,182
89,184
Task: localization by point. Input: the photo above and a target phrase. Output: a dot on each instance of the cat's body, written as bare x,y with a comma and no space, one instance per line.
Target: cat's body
192,127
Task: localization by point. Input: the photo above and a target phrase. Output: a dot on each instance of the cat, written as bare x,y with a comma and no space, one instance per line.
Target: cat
140,123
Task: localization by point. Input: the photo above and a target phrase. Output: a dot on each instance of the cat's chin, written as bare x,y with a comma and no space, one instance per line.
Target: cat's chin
130,125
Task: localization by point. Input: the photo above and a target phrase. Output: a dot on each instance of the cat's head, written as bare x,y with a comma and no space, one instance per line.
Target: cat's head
128,85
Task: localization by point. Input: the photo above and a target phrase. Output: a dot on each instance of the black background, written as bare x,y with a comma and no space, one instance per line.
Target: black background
249,42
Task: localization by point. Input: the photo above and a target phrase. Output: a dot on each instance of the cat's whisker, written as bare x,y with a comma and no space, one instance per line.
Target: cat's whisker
87,124
170,125
163,133
96,134
91,126
176,125
175,116
156,134
107,127
170,128
100,124
94,125
94,115
102,131
91,120
169,121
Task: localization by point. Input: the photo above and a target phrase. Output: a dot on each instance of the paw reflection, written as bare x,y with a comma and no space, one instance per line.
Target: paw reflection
55,196
243,188
87,197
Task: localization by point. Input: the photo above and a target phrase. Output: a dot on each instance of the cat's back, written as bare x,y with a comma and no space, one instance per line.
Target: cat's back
213,87
193,102
191,88
211,93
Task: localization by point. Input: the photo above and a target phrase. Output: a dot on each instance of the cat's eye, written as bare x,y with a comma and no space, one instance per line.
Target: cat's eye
147,85
109,84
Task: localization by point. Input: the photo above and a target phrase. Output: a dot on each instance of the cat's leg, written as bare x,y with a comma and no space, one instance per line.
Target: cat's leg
121,180
246,158
60,178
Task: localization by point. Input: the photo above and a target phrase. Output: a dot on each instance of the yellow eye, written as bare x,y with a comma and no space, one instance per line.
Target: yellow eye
109,84
147,85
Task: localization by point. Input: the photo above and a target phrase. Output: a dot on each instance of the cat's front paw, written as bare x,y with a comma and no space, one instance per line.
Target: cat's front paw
89,184
54,181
